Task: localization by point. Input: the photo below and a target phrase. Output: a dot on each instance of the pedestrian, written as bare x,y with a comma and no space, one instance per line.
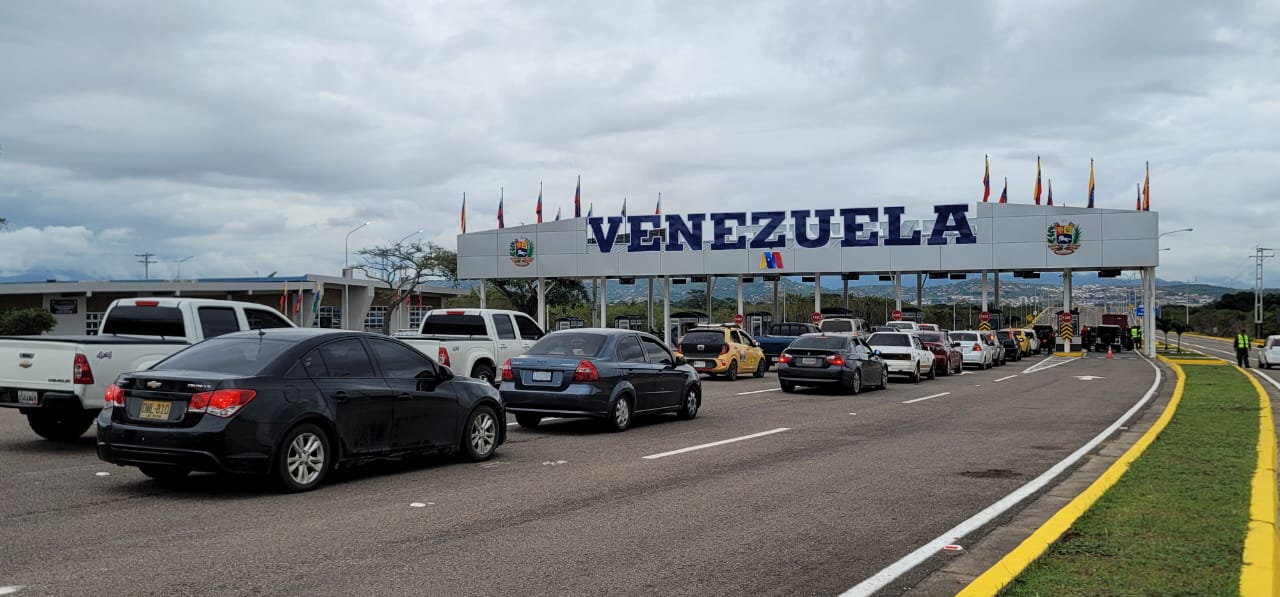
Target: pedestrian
1242,349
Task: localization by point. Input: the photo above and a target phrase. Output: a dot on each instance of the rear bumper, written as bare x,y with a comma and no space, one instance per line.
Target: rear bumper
569,403
206,447
713,364
813,375
899,367
44,400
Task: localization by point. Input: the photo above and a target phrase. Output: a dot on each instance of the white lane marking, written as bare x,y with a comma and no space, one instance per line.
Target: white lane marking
1088,377
719,443
926,398
1226,352
1267,378
1007,377
882,578
10,589
759,391
1048,363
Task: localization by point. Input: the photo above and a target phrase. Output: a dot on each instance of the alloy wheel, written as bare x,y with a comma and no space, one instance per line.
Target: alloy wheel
483,434
306,458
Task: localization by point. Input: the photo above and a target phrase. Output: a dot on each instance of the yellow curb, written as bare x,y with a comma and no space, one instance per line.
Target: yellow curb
1209,362
1012,564
1260,574
1068,354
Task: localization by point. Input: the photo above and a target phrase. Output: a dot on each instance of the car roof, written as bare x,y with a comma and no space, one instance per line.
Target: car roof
598,331
297,333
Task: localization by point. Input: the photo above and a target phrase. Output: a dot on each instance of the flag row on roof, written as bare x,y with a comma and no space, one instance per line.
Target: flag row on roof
1144,188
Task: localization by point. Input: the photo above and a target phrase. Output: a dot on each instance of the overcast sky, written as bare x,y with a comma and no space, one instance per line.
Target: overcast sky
253,136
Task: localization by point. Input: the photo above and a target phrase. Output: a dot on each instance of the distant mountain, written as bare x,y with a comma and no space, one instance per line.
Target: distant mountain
45,274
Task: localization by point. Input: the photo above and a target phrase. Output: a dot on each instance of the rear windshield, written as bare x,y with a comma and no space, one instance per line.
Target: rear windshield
574,344
1274,342
237,356
889,339
1003,336
836,325
819,342
144,321
453,325
931,336
704,338
963,337
902,325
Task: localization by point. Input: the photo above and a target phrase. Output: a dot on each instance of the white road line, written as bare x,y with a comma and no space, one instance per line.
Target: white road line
1267,378
1007,377
719,443
927,397
759,391
882,578
1048,363
10,590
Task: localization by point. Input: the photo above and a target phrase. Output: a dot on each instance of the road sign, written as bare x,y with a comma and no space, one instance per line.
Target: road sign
1066,318
1140,311
984,316
816,317
737,318
896,315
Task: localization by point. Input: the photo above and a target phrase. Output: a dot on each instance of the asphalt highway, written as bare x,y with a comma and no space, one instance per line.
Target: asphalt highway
819,492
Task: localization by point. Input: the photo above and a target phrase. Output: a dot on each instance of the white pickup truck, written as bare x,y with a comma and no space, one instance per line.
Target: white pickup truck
59,382
474,342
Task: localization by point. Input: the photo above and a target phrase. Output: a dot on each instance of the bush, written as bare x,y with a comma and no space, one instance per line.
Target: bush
20,322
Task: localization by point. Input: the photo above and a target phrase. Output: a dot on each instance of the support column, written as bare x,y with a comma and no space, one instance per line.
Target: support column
897,291
710,300
984,291
1149,313
484,295
666,312
920,291
777,302
740,311
595,301
604,302
817,293
542,304
846,294
650,305
996,287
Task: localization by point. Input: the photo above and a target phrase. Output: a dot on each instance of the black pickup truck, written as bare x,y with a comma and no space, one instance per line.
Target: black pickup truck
779,338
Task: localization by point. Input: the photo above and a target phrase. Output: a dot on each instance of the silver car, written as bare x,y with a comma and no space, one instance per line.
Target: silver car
976,352
1269,354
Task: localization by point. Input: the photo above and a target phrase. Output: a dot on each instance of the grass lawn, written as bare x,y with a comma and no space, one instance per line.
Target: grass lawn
1175,522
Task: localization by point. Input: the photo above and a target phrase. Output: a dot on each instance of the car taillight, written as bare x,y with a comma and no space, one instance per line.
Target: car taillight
115,396
586,372
220,403
141,303
977,348
784,358
836,360
443,356
507,375
81,372
724,349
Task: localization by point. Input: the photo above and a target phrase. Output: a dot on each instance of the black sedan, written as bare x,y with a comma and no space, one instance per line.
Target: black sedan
292,403
816,359
606,374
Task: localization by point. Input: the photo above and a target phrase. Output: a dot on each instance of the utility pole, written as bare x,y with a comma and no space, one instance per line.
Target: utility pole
1260,254
146,262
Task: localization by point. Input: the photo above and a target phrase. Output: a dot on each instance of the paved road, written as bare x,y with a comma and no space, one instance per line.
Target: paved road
853,484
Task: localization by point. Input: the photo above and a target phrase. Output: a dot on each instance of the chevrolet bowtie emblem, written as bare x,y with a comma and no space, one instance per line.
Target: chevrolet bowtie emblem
153,384
24,364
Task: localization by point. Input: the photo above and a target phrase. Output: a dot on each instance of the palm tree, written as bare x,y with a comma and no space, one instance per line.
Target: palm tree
1179,328
1164,325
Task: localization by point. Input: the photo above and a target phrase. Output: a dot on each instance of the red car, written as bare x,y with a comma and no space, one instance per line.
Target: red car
946,356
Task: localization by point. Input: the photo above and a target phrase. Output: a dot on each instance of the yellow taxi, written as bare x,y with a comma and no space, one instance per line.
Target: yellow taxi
723,350
1024,339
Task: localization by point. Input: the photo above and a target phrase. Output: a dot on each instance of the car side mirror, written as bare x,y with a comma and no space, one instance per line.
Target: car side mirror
445,374
877,352
679,360
955,345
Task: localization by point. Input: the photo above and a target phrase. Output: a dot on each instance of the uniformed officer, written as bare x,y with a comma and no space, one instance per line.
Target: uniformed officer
1242,349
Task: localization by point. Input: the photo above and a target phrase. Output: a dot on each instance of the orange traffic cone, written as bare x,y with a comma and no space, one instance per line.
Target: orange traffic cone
1109,356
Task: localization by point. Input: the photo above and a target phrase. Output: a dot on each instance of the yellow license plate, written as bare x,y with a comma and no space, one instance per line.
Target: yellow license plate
155,409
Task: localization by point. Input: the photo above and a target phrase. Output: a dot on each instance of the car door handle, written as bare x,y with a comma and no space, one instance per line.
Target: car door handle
502,346
339,395
404,396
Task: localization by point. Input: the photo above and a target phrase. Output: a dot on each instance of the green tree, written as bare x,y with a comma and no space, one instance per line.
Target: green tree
402,267
31,321
1179,328
522,293
1164,325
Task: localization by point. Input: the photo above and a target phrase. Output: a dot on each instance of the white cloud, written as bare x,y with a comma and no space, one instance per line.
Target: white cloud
254,137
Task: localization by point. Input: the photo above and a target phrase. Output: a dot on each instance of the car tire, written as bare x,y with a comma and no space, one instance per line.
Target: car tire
854,386
480,436
765,363
987,365
620,414
486,374
960,367
689,407
528,421
933,372
732,373
161,472
304,458
787,386
884,378
61,425
761,365
944,369
915,376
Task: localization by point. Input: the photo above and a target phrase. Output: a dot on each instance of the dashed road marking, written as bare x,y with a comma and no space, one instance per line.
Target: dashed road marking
927,397
759,391
1007,377
719,443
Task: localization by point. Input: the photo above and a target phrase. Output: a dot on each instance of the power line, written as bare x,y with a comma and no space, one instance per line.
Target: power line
146,262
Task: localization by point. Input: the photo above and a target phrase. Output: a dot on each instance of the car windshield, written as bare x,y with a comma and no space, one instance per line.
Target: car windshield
247,355
819,342
1275,343
931,336
889,339
836,325
577,344
706,337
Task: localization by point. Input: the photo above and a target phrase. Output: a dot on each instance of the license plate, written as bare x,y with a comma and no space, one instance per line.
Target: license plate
808,362
28,397
700,364
541,376
157,410
773,359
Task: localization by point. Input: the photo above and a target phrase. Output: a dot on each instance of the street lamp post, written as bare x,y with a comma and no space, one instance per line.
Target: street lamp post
406,237
180,261
346,245
346,264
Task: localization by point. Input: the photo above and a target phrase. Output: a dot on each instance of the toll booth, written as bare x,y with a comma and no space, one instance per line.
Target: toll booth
568,323
915,314
631,322
683,321
757,322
